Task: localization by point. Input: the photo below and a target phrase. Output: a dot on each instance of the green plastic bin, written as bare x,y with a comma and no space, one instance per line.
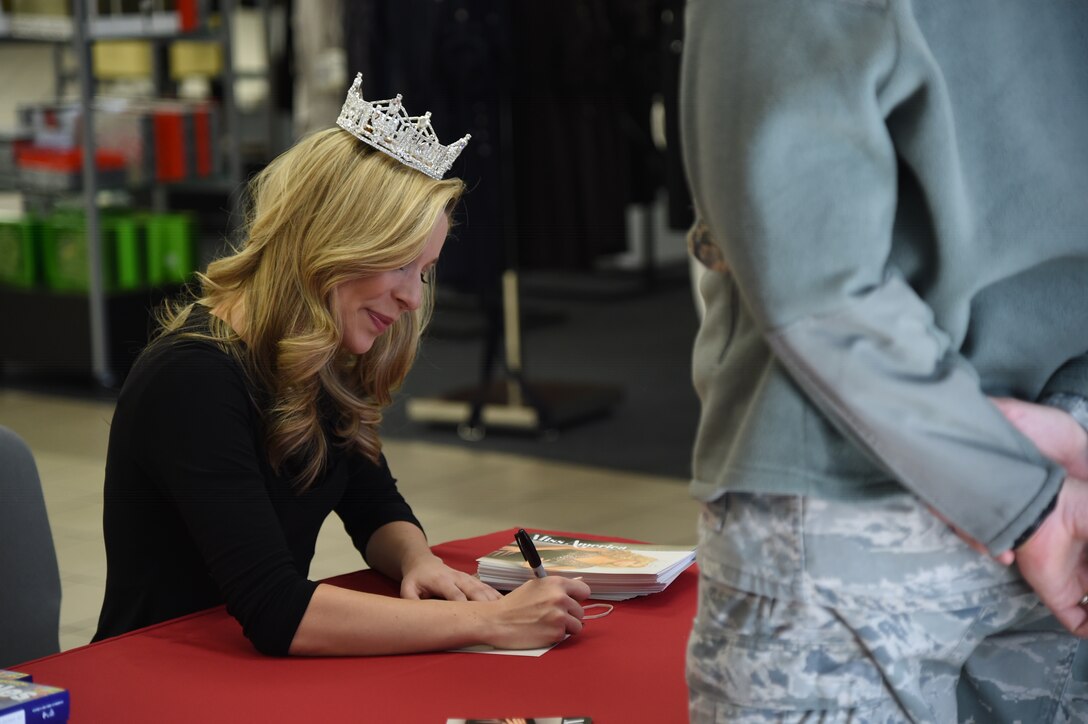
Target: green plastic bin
65,252
171,257
20,251
127,235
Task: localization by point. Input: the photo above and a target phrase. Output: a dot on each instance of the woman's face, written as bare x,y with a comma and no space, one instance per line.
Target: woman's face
367,306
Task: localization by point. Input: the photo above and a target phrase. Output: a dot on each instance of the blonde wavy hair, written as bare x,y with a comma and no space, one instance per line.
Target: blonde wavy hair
328,210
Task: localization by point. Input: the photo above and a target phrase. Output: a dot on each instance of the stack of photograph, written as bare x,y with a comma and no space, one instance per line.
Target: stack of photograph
614,571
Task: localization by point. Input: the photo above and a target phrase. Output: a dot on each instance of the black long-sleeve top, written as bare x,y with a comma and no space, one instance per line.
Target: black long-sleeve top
194,515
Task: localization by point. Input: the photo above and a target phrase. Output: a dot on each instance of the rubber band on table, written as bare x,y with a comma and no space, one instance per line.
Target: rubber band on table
602,614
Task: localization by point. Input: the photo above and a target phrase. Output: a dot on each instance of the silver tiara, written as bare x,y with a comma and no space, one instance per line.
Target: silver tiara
386,126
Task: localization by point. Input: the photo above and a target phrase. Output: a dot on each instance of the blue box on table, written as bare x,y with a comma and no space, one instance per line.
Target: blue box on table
23,701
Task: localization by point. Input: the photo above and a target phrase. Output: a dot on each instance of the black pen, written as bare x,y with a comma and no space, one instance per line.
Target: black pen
528,552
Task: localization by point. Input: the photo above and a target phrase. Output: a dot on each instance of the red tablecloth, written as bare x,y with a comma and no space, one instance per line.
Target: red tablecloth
625,668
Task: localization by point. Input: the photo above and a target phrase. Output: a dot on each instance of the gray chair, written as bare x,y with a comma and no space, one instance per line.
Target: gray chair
29,576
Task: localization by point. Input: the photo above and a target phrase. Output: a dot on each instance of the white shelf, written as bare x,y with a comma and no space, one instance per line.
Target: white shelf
60,29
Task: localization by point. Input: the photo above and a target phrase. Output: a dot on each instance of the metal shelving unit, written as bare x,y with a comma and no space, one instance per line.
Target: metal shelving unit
81,31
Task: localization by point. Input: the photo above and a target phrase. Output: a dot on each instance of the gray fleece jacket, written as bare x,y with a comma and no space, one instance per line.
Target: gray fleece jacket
894,204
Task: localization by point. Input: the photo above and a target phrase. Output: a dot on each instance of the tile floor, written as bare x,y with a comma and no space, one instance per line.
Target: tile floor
456,492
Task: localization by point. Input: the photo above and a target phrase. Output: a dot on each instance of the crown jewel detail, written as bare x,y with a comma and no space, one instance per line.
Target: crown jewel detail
386,126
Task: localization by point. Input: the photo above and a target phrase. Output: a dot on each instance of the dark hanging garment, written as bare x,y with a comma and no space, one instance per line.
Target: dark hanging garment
549,185
571,170
446,57
680,211
638,78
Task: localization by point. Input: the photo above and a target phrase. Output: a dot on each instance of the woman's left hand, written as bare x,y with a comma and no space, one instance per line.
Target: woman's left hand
429,577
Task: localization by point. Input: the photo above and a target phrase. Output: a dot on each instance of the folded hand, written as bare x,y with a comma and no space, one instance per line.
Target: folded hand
1054,560
429,577
1054,431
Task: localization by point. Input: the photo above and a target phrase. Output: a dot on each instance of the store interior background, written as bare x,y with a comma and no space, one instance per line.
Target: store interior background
571,184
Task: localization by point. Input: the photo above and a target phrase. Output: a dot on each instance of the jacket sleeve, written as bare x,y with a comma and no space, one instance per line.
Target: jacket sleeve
200,443
370,501
1067,389
1071,379
794,169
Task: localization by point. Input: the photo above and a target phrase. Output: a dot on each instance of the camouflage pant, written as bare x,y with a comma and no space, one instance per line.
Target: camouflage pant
867,611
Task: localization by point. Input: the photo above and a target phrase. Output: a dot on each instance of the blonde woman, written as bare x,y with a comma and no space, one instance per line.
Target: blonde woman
254,414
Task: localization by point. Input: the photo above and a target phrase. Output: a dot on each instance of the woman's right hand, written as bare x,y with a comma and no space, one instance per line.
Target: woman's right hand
539,612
